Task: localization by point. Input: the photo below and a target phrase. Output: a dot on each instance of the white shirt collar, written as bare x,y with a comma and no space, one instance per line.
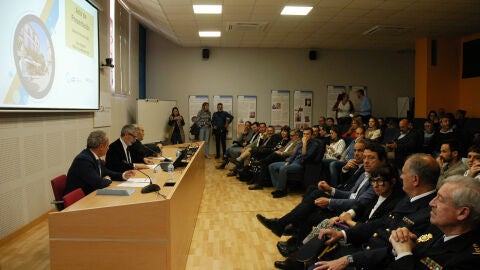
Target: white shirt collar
421,195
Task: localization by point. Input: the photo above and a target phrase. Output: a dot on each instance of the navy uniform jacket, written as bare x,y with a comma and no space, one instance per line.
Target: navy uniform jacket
84,173
461,252
116,159
372,237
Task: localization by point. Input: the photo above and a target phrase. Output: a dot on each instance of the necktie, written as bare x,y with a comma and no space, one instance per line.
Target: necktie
99,164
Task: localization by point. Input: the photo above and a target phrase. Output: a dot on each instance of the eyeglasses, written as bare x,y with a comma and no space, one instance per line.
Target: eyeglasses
378,180
133,135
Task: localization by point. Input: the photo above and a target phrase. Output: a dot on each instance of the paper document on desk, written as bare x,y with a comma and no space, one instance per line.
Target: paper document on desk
135,182
161,158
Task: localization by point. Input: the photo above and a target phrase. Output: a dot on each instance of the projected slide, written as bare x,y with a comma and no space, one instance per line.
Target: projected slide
49,55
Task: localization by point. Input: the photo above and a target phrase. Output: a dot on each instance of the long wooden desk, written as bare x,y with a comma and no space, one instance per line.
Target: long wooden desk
140,231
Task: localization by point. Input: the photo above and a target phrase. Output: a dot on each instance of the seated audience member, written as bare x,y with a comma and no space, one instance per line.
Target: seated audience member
336,146
391,131
324,134
450,161
405,144
266,142
333,151
453,240
386,184
445,133
339,200
322,121
315,132
330,122
277,141
119,157
335,166
350,133
428,132
373,132
473,162
305,152
433,117
141,151
249,133
279,155
369,246
87,171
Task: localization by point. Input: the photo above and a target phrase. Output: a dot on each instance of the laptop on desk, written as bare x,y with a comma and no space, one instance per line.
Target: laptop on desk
177,163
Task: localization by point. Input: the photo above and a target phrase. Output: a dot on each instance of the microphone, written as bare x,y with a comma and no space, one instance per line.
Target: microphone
160,164
150,187
154,151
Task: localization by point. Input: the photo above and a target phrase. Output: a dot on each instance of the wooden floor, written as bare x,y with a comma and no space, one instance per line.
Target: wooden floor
227,234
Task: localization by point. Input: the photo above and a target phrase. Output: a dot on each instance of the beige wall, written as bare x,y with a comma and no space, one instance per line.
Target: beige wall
39,146
174,73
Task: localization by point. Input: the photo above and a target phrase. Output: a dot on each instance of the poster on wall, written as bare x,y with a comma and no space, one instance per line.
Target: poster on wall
302,109
194,106
280,115
332,94
227,102
353,94
246,111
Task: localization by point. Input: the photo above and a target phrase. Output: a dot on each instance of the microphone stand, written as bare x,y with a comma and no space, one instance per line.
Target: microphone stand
150,187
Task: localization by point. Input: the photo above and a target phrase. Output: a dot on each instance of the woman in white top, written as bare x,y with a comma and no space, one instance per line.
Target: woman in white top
373,132
337,145
343,108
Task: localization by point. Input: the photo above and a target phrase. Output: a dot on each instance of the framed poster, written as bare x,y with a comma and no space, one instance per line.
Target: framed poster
246,111
280,109
302,109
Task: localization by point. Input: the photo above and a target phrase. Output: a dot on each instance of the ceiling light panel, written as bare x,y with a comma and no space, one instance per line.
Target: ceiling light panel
296,10
207,9
209,33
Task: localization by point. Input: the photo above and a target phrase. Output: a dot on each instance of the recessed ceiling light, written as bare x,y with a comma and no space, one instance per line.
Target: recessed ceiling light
207,9
209,33
295,10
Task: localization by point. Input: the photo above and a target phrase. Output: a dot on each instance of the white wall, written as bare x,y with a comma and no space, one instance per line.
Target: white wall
36,147
174,73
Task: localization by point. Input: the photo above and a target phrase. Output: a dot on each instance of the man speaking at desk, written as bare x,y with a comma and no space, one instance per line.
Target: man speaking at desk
87,171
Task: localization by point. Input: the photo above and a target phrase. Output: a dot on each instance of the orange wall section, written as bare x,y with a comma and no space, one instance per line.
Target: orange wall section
441,86
421,53
469,89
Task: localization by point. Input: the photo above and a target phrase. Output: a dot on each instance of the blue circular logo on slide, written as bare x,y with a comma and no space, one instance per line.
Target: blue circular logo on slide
34,56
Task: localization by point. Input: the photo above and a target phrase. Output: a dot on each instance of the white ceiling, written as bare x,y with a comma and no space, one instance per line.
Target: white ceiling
332,24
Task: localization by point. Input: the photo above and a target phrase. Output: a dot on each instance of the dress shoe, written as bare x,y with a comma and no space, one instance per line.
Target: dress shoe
232,173
289,264
286,265
285,249
255,187
251,181
271,224
279,194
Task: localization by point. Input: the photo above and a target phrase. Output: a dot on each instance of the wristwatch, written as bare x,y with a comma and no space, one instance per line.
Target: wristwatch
350,260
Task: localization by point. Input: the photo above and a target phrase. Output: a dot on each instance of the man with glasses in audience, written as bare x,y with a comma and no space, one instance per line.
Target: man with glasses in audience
118,156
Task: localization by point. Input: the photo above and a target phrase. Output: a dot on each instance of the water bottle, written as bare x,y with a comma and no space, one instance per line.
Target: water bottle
170,168
178,153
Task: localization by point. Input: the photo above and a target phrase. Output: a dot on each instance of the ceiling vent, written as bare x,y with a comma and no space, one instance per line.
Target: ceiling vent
388,30
246,26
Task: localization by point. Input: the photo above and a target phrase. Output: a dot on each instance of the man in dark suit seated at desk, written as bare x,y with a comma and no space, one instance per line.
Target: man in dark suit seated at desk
140,151
119,157
87,171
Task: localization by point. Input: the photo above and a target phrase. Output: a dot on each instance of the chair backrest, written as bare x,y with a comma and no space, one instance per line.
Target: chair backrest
58,186
72,197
